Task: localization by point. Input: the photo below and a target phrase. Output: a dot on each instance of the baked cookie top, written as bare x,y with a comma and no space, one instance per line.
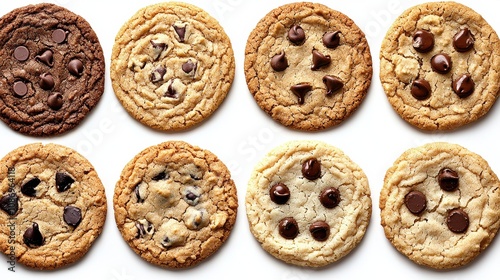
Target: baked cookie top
175,204
439,66
308,204
307,66
172,65
51,69
439,205
52,205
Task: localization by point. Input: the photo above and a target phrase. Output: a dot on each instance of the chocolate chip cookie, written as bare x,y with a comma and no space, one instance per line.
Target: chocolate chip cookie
175,204
440,205
439,66
308,204
51,69
307,66
52,205
172,66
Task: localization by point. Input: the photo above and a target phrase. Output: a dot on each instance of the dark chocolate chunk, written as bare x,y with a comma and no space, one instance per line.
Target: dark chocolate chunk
9,203
55,101
158,48
63,181
189,67
463,41
311,169
28,188
463,86
191,196
332,84
59,36
72,215
331,39
142,230
20,88
319,60
32,237
300,90
288,228
21,53
75,67
320,230
330,197
181,32
158,74
46,81
420,89
160,176
279,62
138,194
171,91
296,35
441,63
279,193
457,220
47,57
448,179
423,41
416,202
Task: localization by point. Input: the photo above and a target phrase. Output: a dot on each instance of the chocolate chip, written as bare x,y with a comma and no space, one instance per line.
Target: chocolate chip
463,41
21,53
457,220
330,197
279,62
20,88
420,89
158,74
331,39
158,48
46,81
279,193
63,181
75,67
9,203
72,215
463,86
32,237
143,230
300,90
55,101
47,57
416,202
28,188
448,179
441,63
189,67
320,230
59,35
423,41
192,195
171,91
296,35
332,84
288,228
138,194
181,32
160,176
319,60
311,169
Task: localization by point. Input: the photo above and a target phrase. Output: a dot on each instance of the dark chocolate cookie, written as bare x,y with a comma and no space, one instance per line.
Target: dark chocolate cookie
51,69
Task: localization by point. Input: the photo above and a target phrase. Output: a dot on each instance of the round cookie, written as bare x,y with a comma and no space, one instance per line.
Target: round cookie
308,204
172,66
175,204
439,66
52,206
51,69
439,205
307,66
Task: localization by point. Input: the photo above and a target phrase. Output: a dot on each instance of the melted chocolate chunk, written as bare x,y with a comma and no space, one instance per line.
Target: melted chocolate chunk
457,220
9,203
416,202
20,88
59,36
158,48
21,53
75,67
158,74
47,58
330,197
463,86
279,193
46,81
143,231
296,35
55,101
463,41
181,32
331,39
171,91
279,62
300,90
320,230
332,84
63,181
420,89
138,194
448,179
161,176
28,189
441,63
311,169
32,237
189,67
288,228
319,60
72,215
423,41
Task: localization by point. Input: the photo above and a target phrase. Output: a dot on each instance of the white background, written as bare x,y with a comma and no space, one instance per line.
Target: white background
240,134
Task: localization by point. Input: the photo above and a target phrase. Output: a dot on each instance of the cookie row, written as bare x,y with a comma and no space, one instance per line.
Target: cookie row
309,67
307,203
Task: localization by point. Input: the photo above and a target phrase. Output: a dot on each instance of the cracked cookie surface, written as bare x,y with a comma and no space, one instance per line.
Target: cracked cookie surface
172,66
439,205
51,69
52,205
308,204
423,40
175,204
309,67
